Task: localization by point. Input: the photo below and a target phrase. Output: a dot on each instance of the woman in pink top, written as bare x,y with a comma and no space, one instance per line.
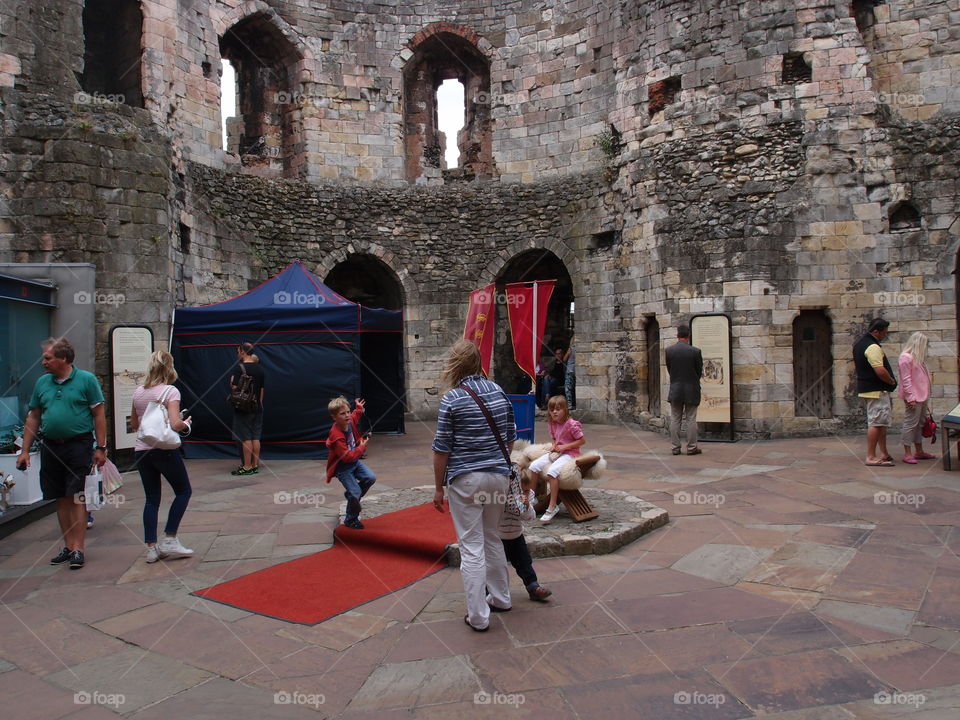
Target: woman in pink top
567,437
914,390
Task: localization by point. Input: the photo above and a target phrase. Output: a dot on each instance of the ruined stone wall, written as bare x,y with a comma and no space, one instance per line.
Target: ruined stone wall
440,243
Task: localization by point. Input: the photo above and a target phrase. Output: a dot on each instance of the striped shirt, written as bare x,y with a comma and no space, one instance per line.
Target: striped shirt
464,433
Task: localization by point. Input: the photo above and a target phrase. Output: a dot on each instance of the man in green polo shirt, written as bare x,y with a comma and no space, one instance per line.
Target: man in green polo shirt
67,408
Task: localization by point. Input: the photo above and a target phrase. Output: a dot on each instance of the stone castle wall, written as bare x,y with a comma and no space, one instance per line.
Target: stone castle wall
659,149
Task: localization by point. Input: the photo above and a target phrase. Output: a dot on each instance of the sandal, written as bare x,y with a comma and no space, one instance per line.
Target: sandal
924,456
466,619
880,463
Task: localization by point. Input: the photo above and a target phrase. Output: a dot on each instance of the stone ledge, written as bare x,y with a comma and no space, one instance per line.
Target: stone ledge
623,519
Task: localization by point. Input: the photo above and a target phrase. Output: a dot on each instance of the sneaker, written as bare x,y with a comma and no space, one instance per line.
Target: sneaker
354,524
676,451
694,451
60,557
89,520
76,560
539,593
153,554
170,548
243,471
255,469
549,515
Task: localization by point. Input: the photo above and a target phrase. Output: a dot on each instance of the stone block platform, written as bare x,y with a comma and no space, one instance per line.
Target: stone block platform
623,519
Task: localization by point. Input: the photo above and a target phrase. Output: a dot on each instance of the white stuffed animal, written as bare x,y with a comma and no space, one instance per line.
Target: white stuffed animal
590,464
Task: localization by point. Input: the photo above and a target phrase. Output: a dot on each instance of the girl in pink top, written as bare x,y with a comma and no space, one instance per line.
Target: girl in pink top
567,436
914,390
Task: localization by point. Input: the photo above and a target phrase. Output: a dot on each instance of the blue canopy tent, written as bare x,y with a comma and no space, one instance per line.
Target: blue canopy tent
313,345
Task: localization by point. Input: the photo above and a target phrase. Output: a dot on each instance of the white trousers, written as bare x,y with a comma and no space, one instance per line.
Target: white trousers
476,504
553,468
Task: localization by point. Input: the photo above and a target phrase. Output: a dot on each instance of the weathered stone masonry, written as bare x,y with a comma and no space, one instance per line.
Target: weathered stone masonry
769,160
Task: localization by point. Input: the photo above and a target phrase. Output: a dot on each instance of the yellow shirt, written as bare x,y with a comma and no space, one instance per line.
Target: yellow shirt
874,355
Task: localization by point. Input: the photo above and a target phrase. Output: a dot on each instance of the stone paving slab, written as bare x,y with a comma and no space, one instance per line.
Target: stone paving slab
851,593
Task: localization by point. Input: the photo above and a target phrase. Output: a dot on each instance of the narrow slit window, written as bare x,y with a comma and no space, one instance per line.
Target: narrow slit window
450,119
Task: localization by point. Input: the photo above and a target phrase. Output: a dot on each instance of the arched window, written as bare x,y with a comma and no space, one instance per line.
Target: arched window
264,62
439,56
112,31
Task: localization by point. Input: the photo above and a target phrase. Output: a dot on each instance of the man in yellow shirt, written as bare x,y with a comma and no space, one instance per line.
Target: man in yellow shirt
875,382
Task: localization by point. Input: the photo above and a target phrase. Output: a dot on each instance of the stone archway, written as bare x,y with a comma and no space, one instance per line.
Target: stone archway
367,280
527,266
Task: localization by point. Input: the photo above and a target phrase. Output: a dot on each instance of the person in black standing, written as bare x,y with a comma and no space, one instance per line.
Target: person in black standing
248,426
685,365
875,382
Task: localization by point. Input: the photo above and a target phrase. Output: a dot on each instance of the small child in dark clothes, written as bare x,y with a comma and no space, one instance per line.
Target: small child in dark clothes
346,446
515,546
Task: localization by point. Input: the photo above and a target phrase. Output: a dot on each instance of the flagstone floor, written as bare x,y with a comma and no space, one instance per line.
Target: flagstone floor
792,582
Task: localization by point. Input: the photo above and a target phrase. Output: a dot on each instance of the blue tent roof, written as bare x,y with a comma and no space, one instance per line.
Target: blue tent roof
295,298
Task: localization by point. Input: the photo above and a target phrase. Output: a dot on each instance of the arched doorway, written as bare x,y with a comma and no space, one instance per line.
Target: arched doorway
652,332
527,267
367,280
812,365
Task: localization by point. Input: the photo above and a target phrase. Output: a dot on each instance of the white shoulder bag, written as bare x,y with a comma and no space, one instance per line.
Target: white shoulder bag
155,428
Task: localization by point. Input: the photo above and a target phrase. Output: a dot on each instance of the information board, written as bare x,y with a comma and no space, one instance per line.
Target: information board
130,350
711,333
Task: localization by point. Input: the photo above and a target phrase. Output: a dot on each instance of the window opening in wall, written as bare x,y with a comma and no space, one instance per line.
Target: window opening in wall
440,56
268,109
228,106
904,216
796,69
605,239
662,94
112,32
450,118
863,13
184,239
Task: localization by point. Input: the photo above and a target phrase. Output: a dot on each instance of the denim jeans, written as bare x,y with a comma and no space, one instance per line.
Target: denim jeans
356,479
153,464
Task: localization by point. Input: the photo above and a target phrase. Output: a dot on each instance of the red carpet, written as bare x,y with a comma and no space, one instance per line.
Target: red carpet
393,551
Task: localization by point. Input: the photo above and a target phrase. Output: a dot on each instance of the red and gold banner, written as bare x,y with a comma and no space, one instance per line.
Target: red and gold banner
527,313
479,327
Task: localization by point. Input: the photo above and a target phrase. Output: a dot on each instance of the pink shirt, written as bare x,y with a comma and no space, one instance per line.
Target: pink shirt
564,434
914,380
142,396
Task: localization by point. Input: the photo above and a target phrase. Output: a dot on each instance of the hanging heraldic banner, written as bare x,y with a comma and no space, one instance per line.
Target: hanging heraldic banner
130,350
711,333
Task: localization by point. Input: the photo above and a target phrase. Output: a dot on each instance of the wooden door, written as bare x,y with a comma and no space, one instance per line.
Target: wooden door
812,365
653,366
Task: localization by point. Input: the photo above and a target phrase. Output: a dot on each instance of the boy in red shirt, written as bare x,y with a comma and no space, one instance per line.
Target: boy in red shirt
346,446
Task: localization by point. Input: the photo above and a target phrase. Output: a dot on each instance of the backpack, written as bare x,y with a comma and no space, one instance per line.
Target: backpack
243,397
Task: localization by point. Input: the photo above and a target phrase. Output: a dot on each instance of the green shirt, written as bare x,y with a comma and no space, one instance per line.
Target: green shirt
66,407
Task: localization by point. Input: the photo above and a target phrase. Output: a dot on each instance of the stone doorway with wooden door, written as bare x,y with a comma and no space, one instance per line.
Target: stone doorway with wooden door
812,365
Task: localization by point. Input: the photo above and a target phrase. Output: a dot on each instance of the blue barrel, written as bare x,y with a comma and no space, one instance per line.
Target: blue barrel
524,414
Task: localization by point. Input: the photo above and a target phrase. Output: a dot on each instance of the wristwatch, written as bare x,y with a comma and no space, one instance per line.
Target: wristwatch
101,447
